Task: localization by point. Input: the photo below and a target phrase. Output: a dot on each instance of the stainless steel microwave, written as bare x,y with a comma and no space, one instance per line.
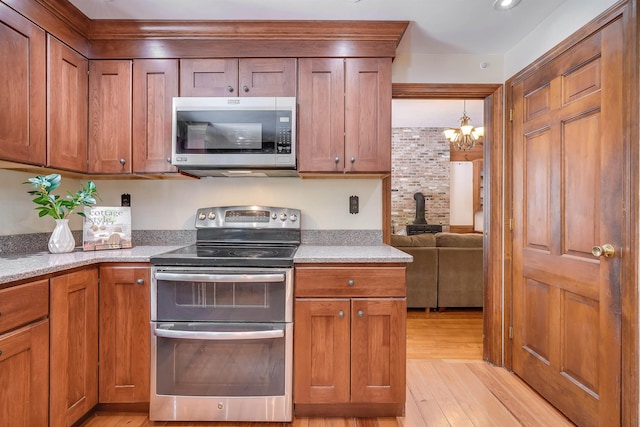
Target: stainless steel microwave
242,136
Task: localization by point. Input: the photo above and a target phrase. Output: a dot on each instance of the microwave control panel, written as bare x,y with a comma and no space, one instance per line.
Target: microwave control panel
283,135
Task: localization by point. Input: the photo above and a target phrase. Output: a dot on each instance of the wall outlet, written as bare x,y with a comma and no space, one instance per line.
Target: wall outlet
354,206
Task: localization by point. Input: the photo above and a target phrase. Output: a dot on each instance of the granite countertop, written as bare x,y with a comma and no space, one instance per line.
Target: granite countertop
353,254
25,266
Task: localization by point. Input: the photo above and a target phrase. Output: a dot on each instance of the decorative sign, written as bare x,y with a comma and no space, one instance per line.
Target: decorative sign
106,227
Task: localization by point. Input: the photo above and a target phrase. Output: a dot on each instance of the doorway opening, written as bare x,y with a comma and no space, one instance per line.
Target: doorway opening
492,97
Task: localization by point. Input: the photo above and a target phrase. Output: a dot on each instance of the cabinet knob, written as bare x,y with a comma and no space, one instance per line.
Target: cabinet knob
341,314
140,281
229,88
351,282
353,160
123,161
168,159
245,88
360,313
337,159
0,352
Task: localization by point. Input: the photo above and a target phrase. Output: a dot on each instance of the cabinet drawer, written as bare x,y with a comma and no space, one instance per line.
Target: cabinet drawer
350,282
20,305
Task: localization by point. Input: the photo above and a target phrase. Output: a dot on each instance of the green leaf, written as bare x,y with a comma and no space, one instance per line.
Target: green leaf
54,181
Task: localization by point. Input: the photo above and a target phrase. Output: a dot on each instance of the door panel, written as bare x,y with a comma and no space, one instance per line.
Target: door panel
568,175
23,89
321,351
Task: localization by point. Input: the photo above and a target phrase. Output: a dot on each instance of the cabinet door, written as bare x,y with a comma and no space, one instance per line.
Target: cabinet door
74,346
267,77
124,334
67,105
110,116
23,83
155,83
378,350
368,115
24,376
321,115
321,351
208,77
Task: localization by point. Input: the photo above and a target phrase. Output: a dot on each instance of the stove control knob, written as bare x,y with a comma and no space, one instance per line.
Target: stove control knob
274,216
283,216
293,217
212,216
202,216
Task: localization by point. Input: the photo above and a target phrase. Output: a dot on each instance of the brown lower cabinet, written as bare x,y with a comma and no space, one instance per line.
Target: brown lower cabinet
124,333
73,350
349,341
24,355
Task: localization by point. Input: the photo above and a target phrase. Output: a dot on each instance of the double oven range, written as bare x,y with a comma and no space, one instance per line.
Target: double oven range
222,321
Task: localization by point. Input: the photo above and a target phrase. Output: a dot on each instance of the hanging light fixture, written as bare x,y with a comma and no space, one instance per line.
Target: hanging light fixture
466,136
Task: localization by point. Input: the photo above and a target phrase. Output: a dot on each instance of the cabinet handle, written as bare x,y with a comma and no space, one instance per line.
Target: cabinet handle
351,282
140,281
360,313
341,314
353,160
245,88
229,88
123,161
337,159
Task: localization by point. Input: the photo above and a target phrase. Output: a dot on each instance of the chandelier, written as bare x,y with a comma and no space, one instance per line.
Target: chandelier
466,136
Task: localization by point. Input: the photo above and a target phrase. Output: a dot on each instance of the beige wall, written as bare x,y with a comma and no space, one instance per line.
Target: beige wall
170,204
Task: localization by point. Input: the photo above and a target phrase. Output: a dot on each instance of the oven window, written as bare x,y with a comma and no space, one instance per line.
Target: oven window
253,301
219,366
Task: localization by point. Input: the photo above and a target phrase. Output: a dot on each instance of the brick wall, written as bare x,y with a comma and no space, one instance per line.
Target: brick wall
419,163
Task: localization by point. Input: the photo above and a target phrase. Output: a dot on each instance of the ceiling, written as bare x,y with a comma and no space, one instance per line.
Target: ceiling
437,27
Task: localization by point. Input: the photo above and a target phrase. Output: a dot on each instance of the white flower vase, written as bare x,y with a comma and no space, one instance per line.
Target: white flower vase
61,240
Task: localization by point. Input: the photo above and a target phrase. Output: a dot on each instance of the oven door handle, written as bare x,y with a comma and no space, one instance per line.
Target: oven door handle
209,335
237,278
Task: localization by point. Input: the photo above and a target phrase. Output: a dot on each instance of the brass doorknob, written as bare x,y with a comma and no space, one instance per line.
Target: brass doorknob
607,250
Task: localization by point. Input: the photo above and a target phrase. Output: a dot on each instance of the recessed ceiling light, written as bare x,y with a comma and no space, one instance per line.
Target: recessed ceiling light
505,4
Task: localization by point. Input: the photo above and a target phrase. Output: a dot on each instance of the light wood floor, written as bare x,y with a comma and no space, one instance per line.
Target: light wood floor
448,384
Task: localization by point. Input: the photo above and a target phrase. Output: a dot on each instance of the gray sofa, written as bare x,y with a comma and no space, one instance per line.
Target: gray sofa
446,270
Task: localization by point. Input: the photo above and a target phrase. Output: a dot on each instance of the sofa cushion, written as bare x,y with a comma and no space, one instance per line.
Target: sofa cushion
427,239
455,240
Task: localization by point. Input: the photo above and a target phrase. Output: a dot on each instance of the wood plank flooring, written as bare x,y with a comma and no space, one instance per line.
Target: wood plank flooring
448,385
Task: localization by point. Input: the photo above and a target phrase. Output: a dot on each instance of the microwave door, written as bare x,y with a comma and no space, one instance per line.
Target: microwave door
235,136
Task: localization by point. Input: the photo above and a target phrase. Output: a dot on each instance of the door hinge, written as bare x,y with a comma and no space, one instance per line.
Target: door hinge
510,332
510,114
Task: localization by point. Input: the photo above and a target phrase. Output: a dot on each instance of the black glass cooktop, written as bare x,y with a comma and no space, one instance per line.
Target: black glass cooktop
231,256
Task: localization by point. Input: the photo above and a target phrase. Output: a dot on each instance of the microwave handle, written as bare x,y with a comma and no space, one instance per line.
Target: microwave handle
206,335
236,278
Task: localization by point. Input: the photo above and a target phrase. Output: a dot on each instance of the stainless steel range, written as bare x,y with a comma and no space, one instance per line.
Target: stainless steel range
221,319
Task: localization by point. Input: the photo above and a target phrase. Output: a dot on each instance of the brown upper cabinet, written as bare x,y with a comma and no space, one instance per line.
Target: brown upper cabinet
110,116
155,83
344,115
23,88
238,77
67,105
130,115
